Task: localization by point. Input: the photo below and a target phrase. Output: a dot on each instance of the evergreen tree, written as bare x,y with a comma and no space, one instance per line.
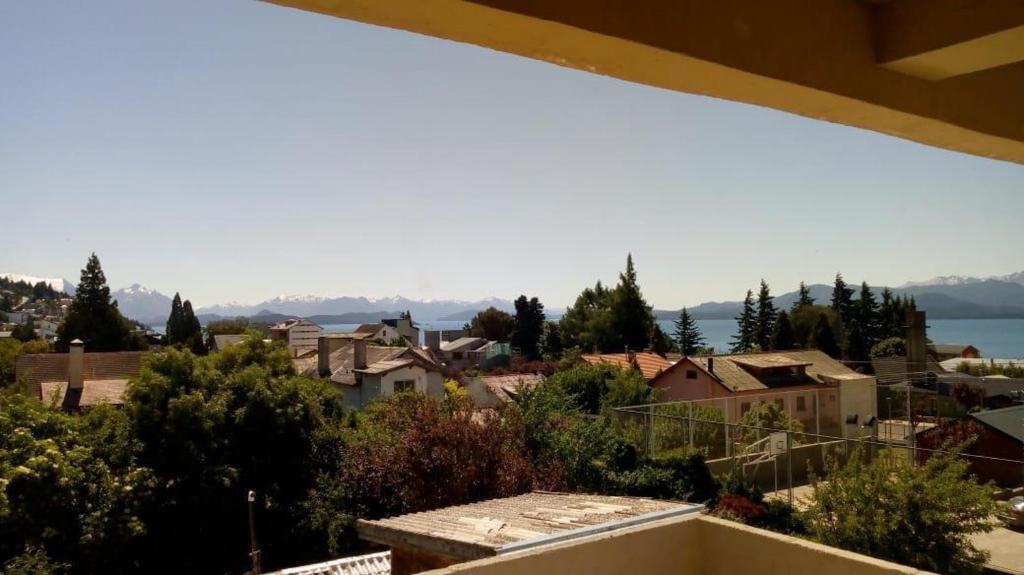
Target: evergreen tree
688,335
93,317
856,342
529,326
823,338
869,318
804,297
25,332
783,338
175,322
765,325
842,299
553,339
661,343
744,340
193,331
631,317
890,322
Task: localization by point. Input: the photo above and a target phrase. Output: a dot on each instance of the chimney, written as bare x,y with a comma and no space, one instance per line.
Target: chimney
323,356
433,340
711,365
76,359
917,349
359,354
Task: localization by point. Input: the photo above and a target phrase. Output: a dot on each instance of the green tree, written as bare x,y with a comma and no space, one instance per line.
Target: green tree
869,316
763,418
175,322
211,428
492,324
764,325
93,317
529,326
745,338
823,338
183,327
803,297
631,317
783,337
688,335
890,316
587,323
552,340
856,342
890,347
25,331
842,300
661,343
922,516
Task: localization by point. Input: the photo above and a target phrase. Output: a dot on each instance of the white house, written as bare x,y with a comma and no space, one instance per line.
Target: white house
301,335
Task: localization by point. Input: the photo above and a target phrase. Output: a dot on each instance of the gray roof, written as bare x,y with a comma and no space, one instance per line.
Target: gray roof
492,390
893,370
946,348
342,361
464,344
1009,420
224,340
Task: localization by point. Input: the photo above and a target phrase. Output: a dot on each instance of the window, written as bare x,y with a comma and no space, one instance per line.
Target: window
691,374
403,385
801,403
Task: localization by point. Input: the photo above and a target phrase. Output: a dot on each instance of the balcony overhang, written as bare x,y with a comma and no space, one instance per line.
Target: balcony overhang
946,73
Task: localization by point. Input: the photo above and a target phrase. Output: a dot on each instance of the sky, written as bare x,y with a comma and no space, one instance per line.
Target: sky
236,150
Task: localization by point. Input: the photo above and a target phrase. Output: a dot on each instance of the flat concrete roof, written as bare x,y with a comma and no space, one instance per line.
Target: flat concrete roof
498,526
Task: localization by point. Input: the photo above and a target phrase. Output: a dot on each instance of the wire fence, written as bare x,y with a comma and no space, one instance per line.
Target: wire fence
779,460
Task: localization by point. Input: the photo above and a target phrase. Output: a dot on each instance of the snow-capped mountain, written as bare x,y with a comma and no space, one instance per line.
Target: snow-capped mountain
58,284
143,304
306,306
1017,278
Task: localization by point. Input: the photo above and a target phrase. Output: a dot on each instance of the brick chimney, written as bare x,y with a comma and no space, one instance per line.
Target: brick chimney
711,365
323,356
76,367
359,354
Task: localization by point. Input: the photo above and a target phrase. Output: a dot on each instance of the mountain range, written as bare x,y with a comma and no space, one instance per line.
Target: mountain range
949,297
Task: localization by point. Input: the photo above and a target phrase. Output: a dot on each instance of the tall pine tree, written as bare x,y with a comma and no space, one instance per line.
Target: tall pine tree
890,323
93,316
529,326
631,317
765,325
869,317
783,338
842,299
744,340
175,329
688,335
803,297
824,338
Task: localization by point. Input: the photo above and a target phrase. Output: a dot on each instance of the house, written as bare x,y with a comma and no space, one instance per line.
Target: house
365,372
999,436
650,364
488,391
562,533
468,352
46,328
381,332
405,328
370,564
222,340
819,391
301,335
893,370
76,379
944,351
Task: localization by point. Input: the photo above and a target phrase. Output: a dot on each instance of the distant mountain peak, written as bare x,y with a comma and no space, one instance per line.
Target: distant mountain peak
59,284
1016,277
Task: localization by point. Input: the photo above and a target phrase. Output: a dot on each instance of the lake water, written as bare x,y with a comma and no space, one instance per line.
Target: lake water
1002,338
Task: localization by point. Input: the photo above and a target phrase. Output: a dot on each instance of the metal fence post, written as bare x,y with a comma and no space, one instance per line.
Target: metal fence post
650,431
789,463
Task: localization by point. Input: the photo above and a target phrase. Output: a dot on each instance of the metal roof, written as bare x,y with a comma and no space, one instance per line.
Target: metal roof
500,526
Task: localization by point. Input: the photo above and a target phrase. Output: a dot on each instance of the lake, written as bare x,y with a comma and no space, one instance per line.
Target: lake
1003,338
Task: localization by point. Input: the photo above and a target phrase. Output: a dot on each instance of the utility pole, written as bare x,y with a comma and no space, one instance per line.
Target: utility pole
254,554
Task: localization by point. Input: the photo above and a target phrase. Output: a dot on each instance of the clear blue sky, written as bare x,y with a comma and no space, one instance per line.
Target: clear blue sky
235,150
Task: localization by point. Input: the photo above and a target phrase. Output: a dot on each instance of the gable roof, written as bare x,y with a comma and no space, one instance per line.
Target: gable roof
369,328
342,362
35,368
93,392
651,364
729,369
950,348
893,370
1008,420
490,390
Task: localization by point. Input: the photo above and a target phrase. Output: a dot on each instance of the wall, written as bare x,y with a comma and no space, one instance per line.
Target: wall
672,385
857,397
687,545
414,372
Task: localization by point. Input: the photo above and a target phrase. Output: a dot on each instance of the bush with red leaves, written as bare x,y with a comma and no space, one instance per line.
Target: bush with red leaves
740,508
